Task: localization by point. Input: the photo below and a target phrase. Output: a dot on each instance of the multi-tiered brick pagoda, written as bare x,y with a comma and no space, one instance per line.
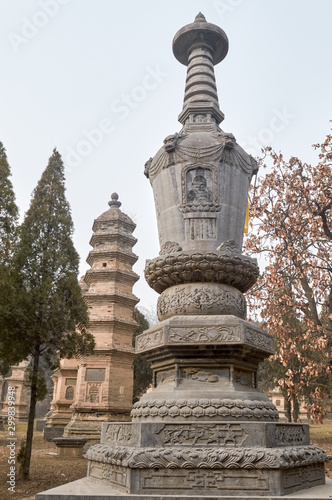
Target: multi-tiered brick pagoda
104,387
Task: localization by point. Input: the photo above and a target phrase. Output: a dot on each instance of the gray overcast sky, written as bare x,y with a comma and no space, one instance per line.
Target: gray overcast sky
98,80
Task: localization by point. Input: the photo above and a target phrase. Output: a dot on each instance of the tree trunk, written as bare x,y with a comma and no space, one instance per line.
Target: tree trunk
296,409
31,417
288,409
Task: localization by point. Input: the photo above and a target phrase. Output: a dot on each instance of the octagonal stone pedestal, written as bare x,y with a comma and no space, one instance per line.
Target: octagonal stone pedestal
206,458
69,447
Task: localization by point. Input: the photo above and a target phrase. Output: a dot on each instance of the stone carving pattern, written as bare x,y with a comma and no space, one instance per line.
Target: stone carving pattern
170,247
202,408
304,476
207,458
225,149
201,298
204,375
165,376
207,434
204,335
259,339
213,267
202,480
119,432
148,340
244,378
110,473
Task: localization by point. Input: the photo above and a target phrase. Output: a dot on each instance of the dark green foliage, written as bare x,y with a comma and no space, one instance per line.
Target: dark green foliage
47,266
21,456
8,236
47,312
8,211
142,370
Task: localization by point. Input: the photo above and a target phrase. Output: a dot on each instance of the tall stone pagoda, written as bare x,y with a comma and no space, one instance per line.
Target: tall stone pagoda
204,430
104,388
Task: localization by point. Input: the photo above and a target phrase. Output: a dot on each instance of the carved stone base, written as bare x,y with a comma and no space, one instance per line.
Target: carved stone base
204,368
206,459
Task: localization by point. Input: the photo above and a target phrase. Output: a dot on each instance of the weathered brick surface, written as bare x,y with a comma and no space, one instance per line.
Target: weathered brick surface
104,387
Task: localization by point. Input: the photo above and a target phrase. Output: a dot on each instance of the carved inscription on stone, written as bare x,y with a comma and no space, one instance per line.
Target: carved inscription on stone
147,340
259,339
288,434
205,335
203,480
208,434
201,229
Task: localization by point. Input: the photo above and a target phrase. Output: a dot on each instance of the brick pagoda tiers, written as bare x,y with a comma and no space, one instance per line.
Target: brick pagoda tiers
104,387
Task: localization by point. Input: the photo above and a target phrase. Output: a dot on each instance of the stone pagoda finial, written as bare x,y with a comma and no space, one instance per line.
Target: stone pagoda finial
114,203
200,46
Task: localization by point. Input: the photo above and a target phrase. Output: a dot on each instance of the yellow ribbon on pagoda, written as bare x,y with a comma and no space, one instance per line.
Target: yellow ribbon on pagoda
246,223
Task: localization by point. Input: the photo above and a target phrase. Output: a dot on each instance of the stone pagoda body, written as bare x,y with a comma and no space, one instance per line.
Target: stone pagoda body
204,430
104,387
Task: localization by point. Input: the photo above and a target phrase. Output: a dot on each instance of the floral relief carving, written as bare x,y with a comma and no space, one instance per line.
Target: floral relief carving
201,298
199,458
224,266
205,335
147,340
259,339
203,408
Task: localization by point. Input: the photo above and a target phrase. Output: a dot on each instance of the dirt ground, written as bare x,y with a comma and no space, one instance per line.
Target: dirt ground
47,470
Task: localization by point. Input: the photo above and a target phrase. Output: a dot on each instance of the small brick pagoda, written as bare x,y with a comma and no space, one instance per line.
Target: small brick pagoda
104,387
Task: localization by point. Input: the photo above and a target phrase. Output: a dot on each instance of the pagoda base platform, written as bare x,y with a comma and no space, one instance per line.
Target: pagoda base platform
201,460
88,489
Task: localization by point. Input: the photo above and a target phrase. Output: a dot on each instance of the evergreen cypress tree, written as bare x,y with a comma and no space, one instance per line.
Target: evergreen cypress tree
8,211
8,235
53,309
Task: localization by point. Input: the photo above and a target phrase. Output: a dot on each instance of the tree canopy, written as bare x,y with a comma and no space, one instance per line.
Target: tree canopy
48,314
291,225
8,236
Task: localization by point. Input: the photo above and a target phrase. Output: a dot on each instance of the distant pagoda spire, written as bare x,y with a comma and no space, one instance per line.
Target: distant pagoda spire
200,45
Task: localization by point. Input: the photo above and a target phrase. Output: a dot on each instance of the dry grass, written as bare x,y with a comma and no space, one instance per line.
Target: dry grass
321,435
46,471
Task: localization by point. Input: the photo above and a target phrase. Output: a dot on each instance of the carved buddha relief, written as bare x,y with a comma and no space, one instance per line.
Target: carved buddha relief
200,201
198,189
